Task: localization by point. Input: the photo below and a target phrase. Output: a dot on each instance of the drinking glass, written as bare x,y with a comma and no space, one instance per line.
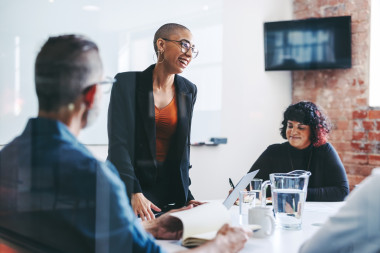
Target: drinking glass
256,187
246,201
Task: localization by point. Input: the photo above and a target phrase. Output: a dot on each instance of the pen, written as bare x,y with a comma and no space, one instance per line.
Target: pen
232,184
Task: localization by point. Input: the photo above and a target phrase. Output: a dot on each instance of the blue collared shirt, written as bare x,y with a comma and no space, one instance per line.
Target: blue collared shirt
54,192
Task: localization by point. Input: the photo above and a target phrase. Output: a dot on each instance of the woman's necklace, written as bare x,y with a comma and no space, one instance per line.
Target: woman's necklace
308,164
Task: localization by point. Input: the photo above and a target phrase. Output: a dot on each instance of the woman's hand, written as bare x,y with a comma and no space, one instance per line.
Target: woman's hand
195,203
143,207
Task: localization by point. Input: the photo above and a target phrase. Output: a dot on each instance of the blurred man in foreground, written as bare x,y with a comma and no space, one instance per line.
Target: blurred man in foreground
356,227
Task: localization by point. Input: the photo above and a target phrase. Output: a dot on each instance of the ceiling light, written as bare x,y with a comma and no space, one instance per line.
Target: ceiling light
90,8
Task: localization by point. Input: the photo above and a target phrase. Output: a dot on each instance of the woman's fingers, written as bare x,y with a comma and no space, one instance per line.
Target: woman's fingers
142,206
148,214
142,216
154,207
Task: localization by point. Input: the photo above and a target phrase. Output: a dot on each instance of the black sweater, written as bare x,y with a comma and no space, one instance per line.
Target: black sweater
328,181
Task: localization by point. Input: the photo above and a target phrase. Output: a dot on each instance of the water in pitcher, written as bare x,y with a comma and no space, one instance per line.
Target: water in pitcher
288,207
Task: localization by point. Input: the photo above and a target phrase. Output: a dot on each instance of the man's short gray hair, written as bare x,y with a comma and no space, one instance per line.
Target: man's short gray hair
62,70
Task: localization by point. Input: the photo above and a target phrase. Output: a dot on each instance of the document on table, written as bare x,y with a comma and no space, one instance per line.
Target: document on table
201,223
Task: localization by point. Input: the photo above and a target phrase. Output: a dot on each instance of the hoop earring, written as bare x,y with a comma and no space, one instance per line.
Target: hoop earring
158,56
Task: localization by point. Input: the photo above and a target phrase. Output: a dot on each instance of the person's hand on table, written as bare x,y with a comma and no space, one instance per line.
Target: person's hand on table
232,239
227,240
143,207
166,227
195,203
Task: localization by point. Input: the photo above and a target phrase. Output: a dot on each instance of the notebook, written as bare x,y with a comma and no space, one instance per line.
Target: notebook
201,223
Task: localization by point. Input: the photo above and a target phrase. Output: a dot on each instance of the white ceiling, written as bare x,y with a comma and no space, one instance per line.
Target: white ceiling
29,15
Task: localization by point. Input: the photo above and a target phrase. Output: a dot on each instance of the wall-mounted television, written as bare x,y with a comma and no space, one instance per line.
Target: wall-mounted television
316,43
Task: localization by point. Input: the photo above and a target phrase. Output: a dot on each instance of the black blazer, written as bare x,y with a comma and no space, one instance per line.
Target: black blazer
132,133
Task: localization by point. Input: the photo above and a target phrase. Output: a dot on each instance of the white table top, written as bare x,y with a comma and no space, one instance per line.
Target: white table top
315,214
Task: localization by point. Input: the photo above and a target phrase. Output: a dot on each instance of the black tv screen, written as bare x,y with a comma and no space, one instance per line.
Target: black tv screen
317,43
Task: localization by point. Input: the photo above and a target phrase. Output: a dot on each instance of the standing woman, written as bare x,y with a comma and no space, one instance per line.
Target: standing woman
149,122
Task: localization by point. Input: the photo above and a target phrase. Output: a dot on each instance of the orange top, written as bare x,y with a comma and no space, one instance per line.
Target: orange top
166,125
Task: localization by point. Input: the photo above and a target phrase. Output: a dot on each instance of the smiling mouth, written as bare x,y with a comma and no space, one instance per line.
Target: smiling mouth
183,61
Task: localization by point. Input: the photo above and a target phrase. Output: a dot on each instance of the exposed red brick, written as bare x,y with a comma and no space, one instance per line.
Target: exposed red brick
333,2
354,92
354,180
339,114
357,39
378,125
357,125
358,28
368,125
374,136
374,159
362,101
302,14
299,6
359,114
361,159
374,114
363,16
341,135
362,147
362,170
341,147
357,136
362,4
323,2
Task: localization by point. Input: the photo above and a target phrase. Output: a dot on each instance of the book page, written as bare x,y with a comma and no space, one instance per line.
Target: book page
202,219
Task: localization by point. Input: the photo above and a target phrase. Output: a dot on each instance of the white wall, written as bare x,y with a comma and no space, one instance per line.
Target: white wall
253,100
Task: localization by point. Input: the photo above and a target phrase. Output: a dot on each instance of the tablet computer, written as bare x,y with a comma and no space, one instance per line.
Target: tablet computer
244,181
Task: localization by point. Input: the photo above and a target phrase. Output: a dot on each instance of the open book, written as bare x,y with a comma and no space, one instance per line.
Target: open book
201,223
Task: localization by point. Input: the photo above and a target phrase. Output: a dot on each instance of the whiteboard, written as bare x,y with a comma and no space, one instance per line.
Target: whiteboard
124,32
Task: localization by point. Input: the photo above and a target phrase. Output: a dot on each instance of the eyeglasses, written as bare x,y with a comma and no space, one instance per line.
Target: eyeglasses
106,84
185,47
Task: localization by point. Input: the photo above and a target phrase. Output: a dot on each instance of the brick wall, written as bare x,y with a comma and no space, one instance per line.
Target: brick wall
343,93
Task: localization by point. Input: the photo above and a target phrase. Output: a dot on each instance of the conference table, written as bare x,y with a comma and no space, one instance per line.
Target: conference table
289,241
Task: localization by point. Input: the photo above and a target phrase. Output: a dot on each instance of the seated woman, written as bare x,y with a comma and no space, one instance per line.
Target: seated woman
306,128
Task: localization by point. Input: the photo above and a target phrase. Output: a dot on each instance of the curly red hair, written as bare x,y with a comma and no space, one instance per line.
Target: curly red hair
309,114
